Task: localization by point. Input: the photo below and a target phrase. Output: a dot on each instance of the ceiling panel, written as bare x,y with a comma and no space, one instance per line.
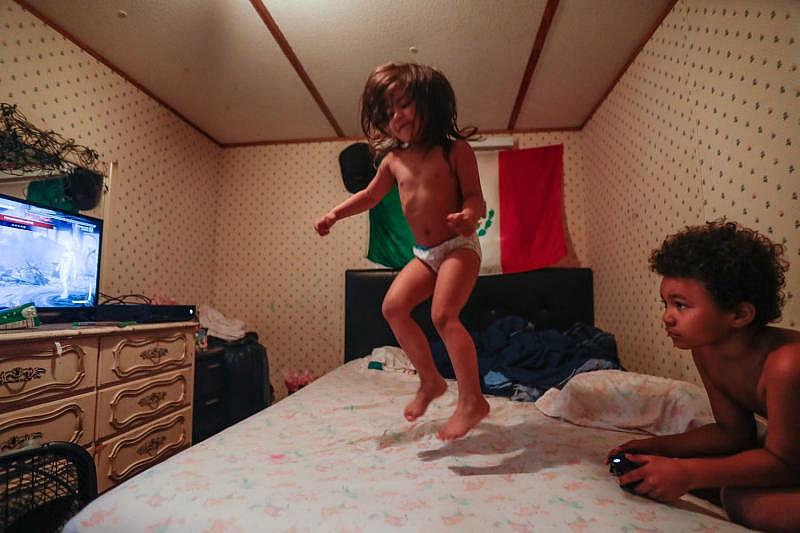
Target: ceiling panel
588,44
212,61
217,64
481,46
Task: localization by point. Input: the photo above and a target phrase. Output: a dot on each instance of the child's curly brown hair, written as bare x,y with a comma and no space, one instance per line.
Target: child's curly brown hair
736,264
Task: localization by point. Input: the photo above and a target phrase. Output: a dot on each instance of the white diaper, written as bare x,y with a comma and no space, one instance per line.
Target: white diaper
434,255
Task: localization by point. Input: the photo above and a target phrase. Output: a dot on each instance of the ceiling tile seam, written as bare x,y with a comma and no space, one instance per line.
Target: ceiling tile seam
631,59
284,45
533,59
86,48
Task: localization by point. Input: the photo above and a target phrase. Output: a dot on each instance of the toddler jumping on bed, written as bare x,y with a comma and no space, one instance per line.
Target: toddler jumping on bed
722,284
408,113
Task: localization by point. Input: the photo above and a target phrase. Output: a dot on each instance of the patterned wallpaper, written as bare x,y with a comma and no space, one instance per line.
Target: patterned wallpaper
703,124
271,268
160,232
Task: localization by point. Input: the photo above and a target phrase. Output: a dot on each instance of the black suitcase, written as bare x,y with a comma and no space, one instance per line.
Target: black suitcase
246,377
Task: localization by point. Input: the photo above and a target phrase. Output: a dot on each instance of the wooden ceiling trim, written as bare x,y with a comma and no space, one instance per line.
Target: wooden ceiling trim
545,130
361,138
538,45
354,138
277,34
89,50
630,60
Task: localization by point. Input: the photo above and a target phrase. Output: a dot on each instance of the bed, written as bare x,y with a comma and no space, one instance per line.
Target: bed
338,455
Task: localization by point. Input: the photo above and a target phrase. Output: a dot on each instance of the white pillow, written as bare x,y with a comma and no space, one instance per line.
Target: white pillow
628,401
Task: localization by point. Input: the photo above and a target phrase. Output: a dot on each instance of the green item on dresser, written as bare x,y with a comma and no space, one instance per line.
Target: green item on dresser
23,316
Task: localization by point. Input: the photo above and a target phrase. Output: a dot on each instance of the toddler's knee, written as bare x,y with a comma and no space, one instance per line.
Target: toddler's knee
442,318
393,310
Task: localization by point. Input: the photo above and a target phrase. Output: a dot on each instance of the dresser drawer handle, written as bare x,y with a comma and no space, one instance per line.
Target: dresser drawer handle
151,447
152,400
153,355
213,366
212,401
18,441
19,374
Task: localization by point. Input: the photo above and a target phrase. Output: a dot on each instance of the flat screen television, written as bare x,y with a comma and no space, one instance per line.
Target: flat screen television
50,258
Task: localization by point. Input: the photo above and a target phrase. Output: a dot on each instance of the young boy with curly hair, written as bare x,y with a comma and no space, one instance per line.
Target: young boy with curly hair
722,284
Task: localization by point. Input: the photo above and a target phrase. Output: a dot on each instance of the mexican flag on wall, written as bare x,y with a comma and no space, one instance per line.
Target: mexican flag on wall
523,229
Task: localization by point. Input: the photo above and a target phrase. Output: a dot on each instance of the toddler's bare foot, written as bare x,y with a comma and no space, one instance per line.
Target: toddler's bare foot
466,417
426,394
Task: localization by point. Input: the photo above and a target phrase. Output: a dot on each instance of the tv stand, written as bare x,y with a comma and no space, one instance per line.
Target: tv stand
124,393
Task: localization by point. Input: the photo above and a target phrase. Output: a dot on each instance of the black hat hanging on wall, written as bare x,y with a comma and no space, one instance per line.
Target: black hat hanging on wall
357,167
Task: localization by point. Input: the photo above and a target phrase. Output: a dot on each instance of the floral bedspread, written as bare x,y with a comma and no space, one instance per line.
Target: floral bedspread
338,456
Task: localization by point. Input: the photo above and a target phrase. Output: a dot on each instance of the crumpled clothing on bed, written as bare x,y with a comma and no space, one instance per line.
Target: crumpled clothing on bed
229,329
392,358
511,353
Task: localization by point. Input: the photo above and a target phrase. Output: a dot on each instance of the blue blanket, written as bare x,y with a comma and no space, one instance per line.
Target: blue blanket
516,360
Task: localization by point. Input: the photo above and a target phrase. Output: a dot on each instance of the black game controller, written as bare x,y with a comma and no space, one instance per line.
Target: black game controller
618,465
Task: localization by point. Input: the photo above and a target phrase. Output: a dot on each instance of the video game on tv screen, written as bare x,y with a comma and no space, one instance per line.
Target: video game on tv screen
47,257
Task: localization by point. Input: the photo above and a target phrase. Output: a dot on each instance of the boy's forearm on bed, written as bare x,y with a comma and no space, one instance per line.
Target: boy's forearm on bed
710,439
752,468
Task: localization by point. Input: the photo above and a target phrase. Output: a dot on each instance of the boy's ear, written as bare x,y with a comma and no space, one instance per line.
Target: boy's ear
743,314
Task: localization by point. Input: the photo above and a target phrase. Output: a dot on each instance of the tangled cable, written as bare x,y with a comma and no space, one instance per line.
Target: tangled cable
25,149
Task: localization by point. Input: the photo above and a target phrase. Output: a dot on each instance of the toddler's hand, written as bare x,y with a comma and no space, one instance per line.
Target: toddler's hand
461,223
323,225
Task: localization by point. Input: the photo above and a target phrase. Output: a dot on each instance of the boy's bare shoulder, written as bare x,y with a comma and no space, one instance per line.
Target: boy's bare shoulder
783,360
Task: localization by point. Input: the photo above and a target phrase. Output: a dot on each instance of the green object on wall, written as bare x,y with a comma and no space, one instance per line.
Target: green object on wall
50,193
390,238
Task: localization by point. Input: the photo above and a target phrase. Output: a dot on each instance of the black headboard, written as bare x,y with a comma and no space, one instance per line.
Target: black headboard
550,298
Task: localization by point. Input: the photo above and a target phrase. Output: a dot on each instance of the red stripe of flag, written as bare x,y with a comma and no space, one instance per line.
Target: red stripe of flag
531,215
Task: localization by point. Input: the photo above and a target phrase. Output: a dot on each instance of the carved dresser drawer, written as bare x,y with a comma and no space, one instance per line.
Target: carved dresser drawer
70,420
33,371
131,356
124,393
125,406
125,455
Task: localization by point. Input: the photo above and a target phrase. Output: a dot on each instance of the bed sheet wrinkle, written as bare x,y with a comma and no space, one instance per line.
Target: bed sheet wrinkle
320,460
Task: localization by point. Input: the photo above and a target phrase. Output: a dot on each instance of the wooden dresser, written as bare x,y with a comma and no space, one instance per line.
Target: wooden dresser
123,393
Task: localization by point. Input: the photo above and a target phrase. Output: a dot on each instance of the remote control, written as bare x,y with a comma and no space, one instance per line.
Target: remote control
618,465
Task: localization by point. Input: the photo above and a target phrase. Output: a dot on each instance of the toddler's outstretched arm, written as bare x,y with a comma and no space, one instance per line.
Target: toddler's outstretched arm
361,201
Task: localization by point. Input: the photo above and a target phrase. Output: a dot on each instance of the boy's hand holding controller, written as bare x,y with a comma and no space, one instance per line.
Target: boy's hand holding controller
661,478
619,465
